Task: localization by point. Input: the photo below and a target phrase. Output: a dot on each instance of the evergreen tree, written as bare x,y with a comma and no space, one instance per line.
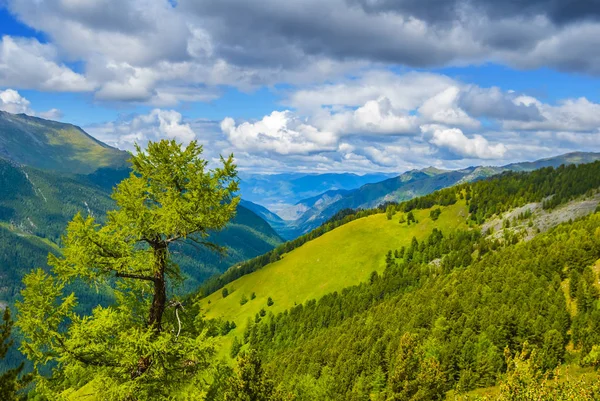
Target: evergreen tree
145,346
9,380
251,382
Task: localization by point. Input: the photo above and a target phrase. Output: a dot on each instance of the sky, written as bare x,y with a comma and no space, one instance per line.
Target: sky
314,85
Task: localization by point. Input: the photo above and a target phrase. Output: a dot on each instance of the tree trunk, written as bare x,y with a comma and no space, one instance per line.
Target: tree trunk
159,303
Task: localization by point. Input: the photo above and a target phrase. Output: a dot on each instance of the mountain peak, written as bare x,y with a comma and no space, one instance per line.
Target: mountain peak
52,145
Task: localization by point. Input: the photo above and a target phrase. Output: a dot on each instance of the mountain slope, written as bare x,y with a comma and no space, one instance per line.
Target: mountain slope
350,252
416,183
55,146
340,258
36,205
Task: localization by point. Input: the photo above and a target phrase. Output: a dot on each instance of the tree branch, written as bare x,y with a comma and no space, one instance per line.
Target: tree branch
135,276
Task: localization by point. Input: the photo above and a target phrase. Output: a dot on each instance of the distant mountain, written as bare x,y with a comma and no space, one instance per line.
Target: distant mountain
280,191
54,146
406,186
567,158
36,205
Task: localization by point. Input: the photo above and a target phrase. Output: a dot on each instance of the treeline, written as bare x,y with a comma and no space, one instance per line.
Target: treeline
217,282
439,319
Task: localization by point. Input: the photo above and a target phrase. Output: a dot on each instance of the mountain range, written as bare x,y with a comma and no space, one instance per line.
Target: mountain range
312,212
50,171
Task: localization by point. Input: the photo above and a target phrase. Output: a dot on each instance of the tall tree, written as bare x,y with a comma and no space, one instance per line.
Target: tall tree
144,346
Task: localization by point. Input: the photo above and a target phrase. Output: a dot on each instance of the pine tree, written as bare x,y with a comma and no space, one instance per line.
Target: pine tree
146,345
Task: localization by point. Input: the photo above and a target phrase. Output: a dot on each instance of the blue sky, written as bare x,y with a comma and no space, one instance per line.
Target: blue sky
365,86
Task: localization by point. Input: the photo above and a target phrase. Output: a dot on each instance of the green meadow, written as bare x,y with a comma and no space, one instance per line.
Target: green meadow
340,258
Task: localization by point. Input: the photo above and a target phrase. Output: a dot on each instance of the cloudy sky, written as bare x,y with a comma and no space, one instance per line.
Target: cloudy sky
314,85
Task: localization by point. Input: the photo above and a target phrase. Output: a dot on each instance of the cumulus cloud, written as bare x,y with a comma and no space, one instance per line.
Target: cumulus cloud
568,115
279,132
29,64
13,102
454,140
156,125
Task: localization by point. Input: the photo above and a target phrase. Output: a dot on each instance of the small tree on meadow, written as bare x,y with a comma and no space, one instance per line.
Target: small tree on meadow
144,346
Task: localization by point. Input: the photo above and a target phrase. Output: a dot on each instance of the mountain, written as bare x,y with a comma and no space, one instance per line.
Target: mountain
407,186
36,205
49,171
567,158
380,307
52,145
279,191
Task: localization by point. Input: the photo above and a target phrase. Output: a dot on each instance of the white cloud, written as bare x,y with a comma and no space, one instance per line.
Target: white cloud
375,117
568,115
52,114
13,102
280,132
443,108
29,64
156,125
458,143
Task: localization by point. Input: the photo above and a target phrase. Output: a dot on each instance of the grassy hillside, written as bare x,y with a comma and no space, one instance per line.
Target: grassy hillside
338,259
55,146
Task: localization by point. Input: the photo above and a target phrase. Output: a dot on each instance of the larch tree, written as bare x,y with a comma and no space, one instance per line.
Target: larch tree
144,345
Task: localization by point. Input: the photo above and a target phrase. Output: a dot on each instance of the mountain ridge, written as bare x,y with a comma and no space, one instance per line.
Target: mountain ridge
52,145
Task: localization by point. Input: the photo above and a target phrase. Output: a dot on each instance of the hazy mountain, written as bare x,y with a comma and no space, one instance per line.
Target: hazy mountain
280,191
314,211
55,146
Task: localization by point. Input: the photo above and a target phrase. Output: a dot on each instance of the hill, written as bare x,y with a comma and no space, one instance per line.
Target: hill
338,259
52,145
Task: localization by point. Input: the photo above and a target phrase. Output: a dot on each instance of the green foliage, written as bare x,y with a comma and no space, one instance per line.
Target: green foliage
225,292
236,346
435,213
143,345
270,301
526,381
10,384
253,295
244,300
410,218
390,211
430,327
251,382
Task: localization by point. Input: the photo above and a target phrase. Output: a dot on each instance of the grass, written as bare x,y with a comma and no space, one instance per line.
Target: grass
340,258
